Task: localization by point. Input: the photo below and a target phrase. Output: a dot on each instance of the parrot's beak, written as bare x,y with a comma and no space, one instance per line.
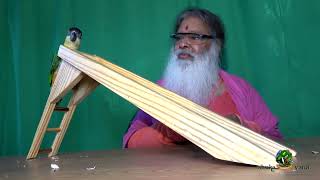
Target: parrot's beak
73,36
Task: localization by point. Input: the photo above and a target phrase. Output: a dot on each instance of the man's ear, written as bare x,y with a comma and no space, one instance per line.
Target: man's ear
218,44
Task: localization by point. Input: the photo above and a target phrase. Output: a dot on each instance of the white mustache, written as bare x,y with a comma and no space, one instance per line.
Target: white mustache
184,51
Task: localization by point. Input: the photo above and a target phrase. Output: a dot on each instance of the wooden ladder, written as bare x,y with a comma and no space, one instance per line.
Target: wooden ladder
68,78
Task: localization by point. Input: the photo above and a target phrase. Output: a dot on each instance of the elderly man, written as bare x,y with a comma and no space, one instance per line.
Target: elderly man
193,72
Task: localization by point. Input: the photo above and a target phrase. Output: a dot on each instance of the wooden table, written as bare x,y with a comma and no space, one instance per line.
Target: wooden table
182,162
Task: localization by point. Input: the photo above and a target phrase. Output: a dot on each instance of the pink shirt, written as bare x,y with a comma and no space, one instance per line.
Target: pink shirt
238,98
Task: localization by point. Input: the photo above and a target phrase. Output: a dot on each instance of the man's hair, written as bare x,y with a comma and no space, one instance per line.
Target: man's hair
207,17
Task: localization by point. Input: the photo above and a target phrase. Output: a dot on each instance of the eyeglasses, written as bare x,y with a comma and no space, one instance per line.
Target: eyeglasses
193,38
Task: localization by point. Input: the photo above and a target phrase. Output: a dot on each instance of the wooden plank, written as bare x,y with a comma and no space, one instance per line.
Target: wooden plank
234,127
61,109
68,76
217,135
53,129
177,119
48,150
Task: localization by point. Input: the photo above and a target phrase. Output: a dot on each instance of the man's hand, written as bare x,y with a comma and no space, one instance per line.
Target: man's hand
252,125
248,124
169,133
233,118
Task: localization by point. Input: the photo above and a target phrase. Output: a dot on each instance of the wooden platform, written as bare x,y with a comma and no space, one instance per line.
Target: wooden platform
182,162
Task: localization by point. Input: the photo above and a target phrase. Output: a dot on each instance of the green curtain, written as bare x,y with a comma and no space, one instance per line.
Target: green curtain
273,44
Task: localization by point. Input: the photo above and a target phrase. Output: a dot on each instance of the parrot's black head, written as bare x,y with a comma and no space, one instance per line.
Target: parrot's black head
74,33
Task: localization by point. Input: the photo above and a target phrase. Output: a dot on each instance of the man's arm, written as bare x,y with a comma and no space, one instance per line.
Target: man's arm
269,123
140,121
262,116
253,111
145,131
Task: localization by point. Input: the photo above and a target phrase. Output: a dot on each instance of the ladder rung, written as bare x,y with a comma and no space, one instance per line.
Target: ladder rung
64,109
53,129
45,150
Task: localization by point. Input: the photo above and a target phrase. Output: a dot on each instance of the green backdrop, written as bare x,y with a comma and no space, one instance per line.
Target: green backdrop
273,44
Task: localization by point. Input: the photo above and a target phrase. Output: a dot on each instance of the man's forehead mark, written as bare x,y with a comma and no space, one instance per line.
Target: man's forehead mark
187,27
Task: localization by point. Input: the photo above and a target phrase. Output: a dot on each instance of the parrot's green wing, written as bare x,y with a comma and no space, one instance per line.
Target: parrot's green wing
54,66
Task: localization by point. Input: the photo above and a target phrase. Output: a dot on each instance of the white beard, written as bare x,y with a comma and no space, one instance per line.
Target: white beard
193,79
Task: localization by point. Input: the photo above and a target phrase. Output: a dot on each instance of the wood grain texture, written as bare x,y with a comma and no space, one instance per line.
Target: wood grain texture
215,134
82,90
68,76
42,126
63,126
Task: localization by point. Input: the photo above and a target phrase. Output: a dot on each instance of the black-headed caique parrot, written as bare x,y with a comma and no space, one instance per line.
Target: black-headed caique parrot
72,41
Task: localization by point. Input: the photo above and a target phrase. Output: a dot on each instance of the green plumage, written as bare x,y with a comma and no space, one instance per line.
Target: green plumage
72,41
54,66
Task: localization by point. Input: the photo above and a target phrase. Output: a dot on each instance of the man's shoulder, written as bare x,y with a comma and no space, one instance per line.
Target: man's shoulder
233,79
237,84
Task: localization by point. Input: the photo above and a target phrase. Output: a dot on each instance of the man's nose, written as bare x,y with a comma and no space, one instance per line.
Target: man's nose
183,43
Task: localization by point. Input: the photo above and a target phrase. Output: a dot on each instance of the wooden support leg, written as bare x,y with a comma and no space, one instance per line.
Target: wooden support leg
67,78
63,128
45,118
83,89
